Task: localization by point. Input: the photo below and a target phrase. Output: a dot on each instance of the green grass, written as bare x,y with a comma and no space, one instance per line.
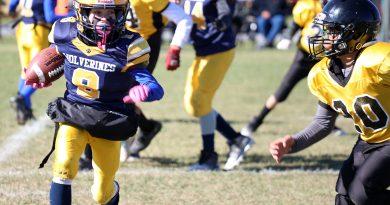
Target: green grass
161,177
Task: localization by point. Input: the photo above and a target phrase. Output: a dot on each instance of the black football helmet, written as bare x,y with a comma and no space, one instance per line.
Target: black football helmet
100,32
346,26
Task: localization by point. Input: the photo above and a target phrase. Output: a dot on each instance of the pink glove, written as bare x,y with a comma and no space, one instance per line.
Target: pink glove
36,85
172,61
138,93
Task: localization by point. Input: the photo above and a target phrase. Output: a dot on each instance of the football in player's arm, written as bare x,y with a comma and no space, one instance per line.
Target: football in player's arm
105,75
352,80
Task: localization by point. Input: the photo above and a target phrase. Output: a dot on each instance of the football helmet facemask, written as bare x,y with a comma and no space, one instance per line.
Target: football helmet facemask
346,26
100,31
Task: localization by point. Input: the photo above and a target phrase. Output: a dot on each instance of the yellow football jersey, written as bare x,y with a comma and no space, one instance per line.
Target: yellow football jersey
146,16
304,13
365,97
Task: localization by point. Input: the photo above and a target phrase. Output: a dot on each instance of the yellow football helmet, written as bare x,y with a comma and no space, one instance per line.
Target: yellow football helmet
100,31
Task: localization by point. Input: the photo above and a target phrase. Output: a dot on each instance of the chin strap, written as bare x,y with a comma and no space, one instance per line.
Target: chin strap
103,28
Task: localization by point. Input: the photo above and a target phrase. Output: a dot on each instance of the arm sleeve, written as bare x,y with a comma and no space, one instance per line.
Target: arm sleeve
224,13
49,6
183,24
143,77
318,129
12,6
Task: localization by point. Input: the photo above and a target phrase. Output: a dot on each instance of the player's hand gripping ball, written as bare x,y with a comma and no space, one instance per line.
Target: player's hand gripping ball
46,67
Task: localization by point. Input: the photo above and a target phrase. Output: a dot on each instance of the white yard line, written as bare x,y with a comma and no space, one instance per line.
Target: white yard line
167,171
14,142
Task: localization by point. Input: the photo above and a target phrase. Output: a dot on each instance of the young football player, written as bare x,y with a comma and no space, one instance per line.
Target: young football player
105,71
304,12
213,41
352,80
32,30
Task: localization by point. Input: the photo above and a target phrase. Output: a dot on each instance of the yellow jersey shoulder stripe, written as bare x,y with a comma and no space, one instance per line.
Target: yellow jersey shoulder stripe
137,48
141,60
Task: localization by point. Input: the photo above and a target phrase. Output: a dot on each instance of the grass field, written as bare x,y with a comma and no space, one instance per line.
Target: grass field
161,177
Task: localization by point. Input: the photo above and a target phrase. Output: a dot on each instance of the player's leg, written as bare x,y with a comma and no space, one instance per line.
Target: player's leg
277,22
348,173
262,30
204,78
105,164
148,128
338,131
85,162
298,70
24,45
344,179
70,144
34,41
369,185
39,42
208,159
154,42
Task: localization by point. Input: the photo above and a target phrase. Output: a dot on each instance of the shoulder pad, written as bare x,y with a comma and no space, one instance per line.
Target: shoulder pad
137,50
314,79
63,30
375,54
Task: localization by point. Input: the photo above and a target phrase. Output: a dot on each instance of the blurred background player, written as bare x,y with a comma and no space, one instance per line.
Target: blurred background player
149,17
352,80
304,12
32,30
213,41
100,94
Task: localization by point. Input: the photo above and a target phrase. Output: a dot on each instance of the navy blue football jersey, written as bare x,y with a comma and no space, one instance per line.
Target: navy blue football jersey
31,10
207,39
96,77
